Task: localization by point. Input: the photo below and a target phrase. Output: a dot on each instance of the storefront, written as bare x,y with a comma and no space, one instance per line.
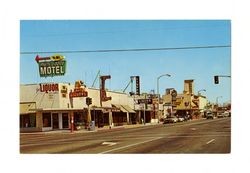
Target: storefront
52,106
125,115
27,118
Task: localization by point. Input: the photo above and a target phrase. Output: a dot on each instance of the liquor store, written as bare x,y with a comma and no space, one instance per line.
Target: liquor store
57,106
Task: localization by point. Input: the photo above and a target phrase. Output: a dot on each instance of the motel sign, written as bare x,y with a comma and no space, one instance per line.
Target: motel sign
51,66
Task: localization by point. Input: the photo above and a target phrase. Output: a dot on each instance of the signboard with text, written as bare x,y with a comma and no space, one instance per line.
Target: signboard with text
79,90
51,66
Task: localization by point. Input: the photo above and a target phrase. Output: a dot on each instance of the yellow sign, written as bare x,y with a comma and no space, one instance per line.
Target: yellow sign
57,57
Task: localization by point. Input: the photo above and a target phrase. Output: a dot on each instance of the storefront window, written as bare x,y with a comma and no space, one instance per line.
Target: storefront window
46,119
28,120
65,119
80,117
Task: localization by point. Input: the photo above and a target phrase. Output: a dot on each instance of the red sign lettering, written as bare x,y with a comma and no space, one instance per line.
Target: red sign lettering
78,92
49,88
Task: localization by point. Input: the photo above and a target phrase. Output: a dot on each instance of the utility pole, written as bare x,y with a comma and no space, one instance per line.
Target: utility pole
145,109
89,102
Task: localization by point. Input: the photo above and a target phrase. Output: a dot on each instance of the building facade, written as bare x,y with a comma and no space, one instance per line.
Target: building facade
186,103
52,106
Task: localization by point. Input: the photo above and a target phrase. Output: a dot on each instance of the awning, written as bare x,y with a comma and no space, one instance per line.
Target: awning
128,108
120,107
124,108
27,108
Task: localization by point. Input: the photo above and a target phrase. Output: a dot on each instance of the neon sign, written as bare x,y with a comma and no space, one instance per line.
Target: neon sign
79,90
51,66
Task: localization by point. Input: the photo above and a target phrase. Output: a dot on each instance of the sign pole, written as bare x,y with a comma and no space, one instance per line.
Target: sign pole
72,122
145,109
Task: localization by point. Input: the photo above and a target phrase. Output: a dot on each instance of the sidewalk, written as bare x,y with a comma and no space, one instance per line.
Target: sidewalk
105,128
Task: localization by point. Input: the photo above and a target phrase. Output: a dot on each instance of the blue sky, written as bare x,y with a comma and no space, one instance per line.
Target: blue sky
198,64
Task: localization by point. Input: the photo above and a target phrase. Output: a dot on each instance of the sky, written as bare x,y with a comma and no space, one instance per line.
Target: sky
89,35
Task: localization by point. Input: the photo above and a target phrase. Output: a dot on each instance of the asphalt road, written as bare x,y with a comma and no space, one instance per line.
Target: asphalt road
197,136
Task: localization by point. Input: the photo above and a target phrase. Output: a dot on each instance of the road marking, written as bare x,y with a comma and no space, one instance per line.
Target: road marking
109,143
210,141
127,146
46,143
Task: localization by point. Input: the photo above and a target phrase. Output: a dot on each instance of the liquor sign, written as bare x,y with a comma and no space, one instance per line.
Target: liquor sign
50,87
51,66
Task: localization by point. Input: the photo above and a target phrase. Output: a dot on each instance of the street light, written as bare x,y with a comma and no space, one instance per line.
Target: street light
158,94
217,99
200,91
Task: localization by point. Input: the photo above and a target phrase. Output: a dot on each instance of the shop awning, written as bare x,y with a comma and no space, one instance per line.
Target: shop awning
124,108
27,108
128,108
120,107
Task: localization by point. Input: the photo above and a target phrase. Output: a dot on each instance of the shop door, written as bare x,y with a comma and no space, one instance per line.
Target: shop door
65,119
55,121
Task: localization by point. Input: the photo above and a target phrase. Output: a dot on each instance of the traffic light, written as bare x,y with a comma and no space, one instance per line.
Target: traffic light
216,79
88,101
137,84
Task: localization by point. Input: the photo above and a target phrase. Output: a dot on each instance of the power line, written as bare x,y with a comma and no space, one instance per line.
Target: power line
127,50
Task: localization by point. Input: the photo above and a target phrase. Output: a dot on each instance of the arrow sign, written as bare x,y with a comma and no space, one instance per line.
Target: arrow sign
38,58
109,143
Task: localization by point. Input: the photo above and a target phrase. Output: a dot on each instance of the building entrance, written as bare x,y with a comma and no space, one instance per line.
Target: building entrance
55,121
65,120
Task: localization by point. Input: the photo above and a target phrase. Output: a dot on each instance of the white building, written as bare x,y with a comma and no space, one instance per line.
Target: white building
52,106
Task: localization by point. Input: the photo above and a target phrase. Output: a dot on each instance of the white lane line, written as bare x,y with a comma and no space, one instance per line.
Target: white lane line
109,143
210,141
127,146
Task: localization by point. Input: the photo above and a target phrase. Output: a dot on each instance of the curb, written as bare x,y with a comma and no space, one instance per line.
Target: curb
111,129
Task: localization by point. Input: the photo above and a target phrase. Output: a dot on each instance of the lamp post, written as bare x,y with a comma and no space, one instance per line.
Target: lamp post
158,94
217,108
217,99
200,91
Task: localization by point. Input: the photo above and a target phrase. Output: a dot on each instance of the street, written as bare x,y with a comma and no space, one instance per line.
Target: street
197,136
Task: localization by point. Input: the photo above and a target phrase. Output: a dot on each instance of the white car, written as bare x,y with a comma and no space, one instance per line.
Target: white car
220,115
172,119
181,119
226,114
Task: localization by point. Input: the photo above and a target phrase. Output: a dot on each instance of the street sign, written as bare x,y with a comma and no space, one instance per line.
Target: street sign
148,101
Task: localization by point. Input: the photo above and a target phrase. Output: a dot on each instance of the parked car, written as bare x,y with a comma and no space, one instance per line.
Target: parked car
181,119
220,115
172,119
226,114
79,125
210,115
